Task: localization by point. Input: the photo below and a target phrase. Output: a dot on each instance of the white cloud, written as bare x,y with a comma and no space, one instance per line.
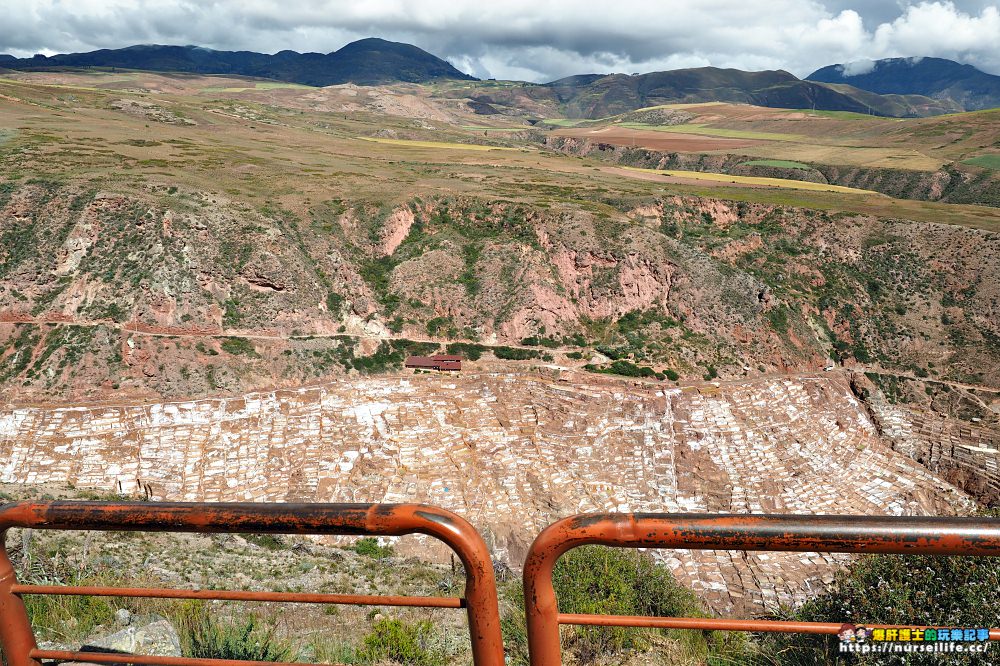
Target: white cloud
858,67
941,29
530,39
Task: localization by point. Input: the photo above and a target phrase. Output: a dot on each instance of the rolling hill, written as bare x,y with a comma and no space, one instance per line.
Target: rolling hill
940,79
374,61
369,61
594,96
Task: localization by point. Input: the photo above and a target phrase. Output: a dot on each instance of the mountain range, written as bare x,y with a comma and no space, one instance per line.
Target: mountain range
937,78
369,61
594,96
899,87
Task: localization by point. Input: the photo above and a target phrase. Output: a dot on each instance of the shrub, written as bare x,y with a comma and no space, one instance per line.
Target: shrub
626,369
615,581
778,317
334,301
906,590
540,341
268,541
400,642
438,324
472,352
238,346
369,546
206,636
231,316
515,354
512,622
201,348
113,311
70,617
612,353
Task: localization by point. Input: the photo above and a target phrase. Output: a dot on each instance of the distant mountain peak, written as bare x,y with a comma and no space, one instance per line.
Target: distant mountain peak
937,78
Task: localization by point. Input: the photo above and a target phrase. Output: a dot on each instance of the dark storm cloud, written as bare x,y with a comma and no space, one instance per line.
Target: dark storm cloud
533,40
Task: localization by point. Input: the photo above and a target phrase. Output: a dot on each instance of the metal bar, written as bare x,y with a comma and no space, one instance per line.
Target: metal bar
843,534
354,519
17,640
242,595
722,624
155,660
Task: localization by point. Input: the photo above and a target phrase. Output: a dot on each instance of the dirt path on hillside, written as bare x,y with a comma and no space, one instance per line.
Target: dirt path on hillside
169,332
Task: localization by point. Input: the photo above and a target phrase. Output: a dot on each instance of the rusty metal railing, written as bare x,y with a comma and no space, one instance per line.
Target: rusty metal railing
833,534
480,601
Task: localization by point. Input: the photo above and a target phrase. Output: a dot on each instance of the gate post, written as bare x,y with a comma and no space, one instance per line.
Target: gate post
541,605
16,637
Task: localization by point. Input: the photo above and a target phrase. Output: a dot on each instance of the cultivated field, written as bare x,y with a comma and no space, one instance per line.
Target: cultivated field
284,143
665,139
753,181
810,136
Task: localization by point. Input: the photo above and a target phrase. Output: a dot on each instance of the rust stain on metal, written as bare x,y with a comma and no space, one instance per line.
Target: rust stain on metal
844,534
116,658
480,599
724,624
241,595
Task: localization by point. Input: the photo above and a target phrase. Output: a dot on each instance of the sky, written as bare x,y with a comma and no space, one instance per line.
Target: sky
536,40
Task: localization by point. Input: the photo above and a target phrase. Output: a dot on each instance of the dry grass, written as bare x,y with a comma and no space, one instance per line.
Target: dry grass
433,144
705,130
290,158
757,181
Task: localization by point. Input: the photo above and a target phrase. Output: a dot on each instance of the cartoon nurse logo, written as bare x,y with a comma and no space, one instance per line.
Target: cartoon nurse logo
846,633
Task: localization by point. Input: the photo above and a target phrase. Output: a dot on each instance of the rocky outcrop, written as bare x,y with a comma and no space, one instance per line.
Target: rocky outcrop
953,182
150,636
397,227
959,445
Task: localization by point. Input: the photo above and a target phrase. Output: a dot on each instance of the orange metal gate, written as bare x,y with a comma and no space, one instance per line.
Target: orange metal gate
833,534
480,601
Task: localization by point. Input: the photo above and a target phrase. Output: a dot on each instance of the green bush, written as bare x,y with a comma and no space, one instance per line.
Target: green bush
113,311
205,636
369,546
441,326
595,579
906,590
626,369
238,347
231,316
515,354
778,317
473,352
616,581
540,341
334,301
400,642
